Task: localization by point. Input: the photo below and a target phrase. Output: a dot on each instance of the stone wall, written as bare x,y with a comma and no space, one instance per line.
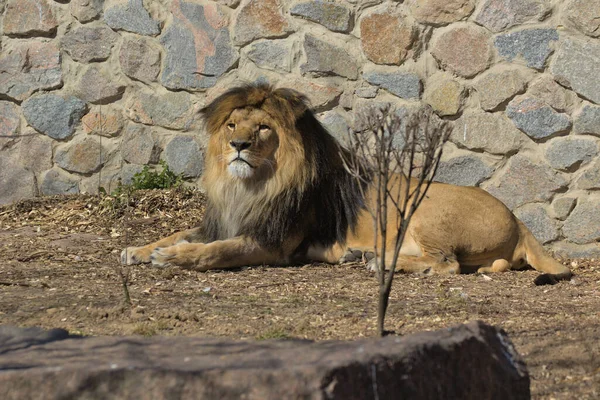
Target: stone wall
92,90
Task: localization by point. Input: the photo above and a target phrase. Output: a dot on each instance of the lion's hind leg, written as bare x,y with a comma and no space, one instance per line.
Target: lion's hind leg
424,264
499,265
138,255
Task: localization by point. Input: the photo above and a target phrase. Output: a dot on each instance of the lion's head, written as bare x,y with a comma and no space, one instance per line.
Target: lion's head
272,170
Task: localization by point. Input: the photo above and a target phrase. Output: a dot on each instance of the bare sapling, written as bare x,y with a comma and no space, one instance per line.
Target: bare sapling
394,158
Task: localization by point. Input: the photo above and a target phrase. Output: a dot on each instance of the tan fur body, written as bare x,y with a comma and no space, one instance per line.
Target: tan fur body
278,194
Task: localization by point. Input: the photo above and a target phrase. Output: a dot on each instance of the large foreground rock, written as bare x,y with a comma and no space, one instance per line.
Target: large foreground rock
472,361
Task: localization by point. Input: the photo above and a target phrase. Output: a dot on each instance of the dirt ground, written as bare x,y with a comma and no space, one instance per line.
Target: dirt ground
59,268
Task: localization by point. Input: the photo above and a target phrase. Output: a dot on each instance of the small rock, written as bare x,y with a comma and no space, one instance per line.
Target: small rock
10,116
406,85
533,45
58,182
567,152
98,87
183,156
333,16
139,60
468,170
525,181
441,12
26,67
537,220
138,145
547,90
277,55
326,58
386,37
320,94
259,19
54,115
102,121
587,121
563,206
444,94
29,18
535,118
131,17
498,15
490,132
87,44
499,85
584,15
86,10
583,225
590,178
83,156
464,50
170,110
577,65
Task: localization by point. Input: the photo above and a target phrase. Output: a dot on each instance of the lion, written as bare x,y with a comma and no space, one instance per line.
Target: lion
278,193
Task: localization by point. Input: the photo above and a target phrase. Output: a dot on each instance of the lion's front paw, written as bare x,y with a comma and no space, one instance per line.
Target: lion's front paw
135,255
185,255
162,257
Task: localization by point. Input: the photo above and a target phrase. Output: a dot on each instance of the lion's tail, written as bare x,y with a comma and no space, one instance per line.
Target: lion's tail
538,258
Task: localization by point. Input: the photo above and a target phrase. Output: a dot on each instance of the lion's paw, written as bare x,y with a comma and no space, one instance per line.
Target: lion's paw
162,257
135,255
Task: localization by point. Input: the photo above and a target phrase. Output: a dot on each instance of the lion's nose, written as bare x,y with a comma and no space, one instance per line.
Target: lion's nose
240,145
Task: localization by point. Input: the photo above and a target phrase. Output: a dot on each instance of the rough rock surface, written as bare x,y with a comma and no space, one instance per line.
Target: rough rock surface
393,367
535,118
587,120
584,15
56,181
535,217
16,182
198,47
491,132
532,45
84,156
546,89
326,58
406,85
171,109
96,86
386,37
138,145
26,17
567,152
577,65
54,115
86,10
498,86
259,19
86,44
583,225
139,60
590,178
103,121
464,50
275,54
28,67
498,15
525,181
131,17
183,156
441,12
333,16
444,94
467,170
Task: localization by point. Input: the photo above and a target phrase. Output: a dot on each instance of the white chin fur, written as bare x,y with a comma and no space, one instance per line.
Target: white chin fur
239,169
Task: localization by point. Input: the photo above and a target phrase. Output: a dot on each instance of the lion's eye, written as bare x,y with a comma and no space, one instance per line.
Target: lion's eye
231,126
263,127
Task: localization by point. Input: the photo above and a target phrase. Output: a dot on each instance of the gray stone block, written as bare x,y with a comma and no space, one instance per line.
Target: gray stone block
468,170
99,87
587,121
183,156
583,225
498,15
139,60
277,55
590,178
170,110
406,85
563,206
84,156
537,220
336,124
577,65
328,59
567,152
455,359
537,119
333,16
525,181
56,182
490,132
532,45
131,17
192,63
86,44
16,182
54,115
499,85
138,145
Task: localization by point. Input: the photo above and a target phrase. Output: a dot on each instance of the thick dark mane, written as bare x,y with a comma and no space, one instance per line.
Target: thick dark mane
321,208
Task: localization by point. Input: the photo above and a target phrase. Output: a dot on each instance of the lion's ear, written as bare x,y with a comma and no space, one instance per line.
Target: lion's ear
297,103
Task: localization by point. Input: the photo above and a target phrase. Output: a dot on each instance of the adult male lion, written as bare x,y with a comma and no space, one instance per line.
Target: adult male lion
278,193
